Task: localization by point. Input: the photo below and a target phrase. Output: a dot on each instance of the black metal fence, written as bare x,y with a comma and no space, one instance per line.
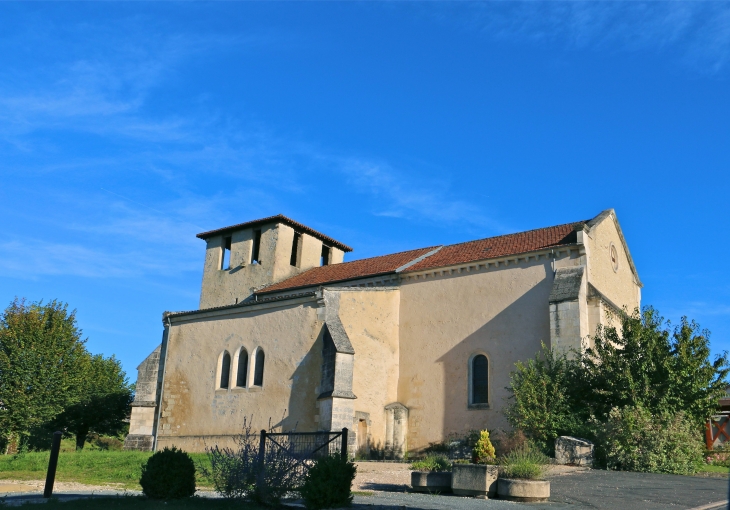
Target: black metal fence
298,450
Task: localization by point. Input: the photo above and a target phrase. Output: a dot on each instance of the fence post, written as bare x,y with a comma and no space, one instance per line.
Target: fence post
52,463
260,475
343,453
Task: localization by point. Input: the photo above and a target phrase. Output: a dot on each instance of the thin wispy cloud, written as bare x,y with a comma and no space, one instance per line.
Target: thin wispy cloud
109,99
697,33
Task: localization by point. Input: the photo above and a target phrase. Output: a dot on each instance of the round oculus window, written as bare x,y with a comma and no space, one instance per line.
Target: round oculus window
613,253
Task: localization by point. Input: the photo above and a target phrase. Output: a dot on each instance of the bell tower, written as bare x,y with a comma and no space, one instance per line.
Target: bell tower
243,258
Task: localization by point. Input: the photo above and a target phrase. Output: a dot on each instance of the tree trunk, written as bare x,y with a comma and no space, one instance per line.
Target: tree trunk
81,437
12,446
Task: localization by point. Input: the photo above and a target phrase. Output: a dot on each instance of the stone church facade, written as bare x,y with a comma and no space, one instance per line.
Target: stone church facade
402,349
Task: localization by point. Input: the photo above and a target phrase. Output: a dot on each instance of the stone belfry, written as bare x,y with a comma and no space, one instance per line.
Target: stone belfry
243,258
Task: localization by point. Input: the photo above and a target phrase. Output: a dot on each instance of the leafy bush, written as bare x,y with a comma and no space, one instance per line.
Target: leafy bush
235,472
483,452
545,404
718,458
328,483
526,462
168,474
432,463
639,363
635,440
644,364
455,446
505,442
108,443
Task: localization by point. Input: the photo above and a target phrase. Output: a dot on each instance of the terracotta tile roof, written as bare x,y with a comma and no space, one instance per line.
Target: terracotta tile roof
279,218
349,270
500,246
482,249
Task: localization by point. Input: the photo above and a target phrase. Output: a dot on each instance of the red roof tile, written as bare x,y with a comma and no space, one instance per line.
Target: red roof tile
279,218
482,249
501,246
348,270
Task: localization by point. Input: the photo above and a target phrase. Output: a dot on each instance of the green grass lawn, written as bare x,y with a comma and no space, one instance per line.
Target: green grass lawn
142,503
93,467
711,470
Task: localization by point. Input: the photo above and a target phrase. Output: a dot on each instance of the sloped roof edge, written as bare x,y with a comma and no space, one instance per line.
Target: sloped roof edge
279,218
612,213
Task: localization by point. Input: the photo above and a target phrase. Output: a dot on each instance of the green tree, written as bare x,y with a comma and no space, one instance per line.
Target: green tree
642,363
698,382
42,357
543,402
102,404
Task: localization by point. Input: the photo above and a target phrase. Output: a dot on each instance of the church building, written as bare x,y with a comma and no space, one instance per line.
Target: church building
402,349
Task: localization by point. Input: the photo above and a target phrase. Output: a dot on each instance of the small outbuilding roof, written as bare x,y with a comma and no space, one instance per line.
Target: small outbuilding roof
279,218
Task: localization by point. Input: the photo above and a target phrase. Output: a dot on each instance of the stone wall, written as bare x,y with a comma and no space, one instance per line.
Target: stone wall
143,419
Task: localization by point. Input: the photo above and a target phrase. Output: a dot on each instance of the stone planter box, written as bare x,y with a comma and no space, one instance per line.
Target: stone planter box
523,490
474,480
428,481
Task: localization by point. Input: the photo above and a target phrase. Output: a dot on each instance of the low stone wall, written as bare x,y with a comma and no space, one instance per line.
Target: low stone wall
139,442
196,443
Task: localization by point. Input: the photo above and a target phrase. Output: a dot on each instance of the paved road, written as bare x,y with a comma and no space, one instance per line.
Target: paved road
628,491
593,489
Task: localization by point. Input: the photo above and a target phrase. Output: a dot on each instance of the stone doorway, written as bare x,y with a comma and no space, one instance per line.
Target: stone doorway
362,426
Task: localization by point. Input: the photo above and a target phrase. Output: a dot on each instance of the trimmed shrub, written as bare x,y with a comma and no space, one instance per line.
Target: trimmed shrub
168,474
526,462
632,439
328,483
435,463
483,452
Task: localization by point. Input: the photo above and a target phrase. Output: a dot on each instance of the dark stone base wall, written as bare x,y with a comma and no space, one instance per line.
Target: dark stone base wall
139,442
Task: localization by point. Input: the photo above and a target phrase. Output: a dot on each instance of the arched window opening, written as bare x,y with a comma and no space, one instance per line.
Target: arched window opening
258,375
242,369
225,370
479,380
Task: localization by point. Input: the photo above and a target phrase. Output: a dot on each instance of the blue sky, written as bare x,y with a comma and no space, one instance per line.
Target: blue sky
127,128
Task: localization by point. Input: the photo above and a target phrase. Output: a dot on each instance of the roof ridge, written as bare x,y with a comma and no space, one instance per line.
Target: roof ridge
377,256
520,232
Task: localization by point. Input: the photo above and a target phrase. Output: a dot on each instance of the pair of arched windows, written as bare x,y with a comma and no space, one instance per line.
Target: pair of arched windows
479,381
240,365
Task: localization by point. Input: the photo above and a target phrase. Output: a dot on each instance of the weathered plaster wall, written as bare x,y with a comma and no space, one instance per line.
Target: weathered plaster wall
370,318
618,286
445,319
289,334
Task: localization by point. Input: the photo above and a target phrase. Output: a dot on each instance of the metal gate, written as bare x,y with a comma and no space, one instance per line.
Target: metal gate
291,454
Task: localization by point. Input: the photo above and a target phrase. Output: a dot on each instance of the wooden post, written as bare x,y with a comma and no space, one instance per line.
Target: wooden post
343,453
709,440
261,474
52,463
